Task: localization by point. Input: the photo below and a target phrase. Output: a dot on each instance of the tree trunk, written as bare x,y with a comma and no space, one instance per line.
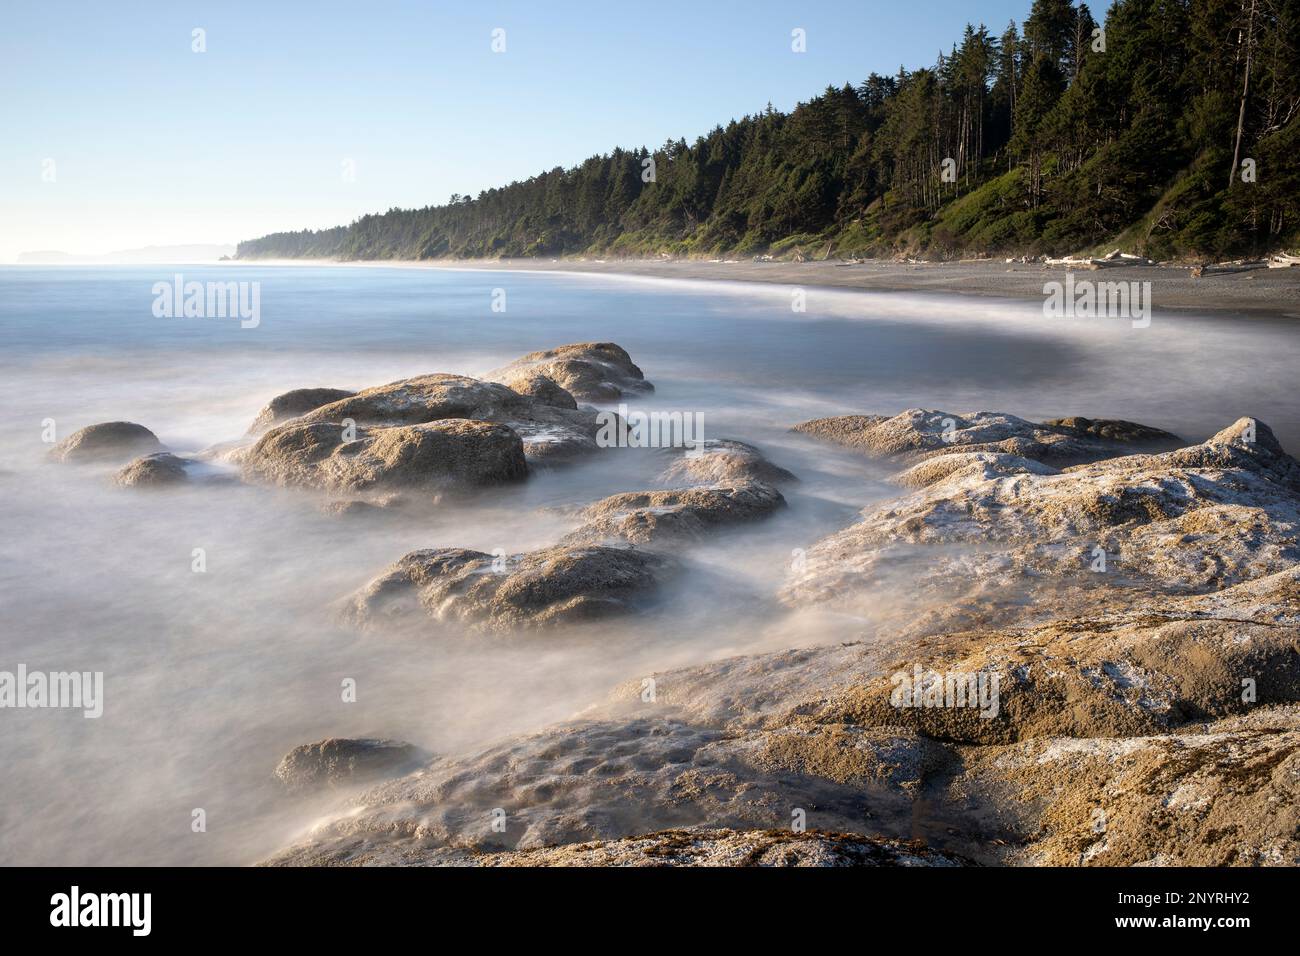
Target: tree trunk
1245,90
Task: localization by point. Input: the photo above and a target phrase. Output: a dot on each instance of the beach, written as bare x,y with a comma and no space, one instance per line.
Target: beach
1255,292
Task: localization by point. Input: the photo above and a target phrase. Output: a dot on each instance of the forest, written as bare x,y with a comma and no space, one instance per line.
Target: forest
1167,128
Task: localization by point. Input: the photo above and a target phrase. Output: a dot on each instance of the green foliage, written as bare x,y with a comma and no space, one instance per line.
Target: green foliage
1053,144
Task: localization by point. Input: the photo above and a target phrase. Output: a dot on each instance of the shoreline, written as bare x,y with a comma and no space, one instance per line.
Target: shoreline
1262,292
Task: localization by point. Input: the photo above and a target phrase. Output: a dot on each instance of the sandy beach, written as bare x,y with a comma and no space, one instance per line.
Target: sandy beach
1274,292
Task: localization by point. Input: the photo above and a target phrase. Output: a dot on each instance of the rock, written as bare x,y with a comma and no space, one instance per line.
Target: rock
541,387
549,433
116,442
1247,444
589,371
1141,672
1145,714
1115,430
918,433
538,589
446,455
291,404
738,743
724,461
1220,794
381,505
340,761
601,780
641,517
971,550
704,846
965,466
156,470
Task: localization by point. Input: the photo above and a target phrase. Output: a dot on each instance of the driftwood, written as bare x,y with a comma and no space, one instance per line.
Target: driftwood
1228,268
1108,261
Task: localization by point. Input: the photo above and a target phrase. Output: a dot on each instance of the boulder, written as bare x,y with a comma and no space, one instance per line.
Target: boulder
291,404
724,461
106,442
919,433
589,371
641,517
965,466
550,433
153,471
535,590
445,455
541,387
341,761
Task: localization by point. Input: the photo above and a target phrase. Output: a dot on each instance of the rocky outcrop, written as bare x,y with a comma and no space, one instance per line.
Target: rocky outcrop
1145,671
389,506
919,433
705,846
969,465
1220,794
642,517
589,371
446,455
534,590
724,461
541,387
1112,429
106,442
980,548
550,433
291,404
1142,712
154,471
341,761
1118,741
1069,662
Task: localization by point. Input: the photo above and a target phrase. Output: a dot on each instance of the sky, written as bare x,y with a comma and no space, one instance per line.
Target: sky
117,134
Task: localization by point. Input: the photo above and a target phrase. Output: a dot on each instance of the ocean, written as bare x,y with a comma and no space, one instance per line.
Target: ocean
209,678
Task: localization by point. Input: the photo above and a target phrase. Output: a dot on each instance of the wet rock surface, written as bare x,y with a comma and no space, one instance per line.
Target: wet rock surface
550,432
293,403
589,371
704,846
919,433
541,387
485,592
1034,545
448,454
341,761
725,461
154,471
643,517
106,443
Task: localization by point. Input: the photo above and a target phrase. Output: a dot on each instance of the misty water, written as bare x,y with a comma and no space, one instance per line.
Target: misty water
211,677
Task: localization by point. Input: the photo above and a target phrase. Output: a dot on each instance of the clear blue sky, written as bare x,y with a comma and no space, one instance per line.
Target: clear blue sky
155,144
